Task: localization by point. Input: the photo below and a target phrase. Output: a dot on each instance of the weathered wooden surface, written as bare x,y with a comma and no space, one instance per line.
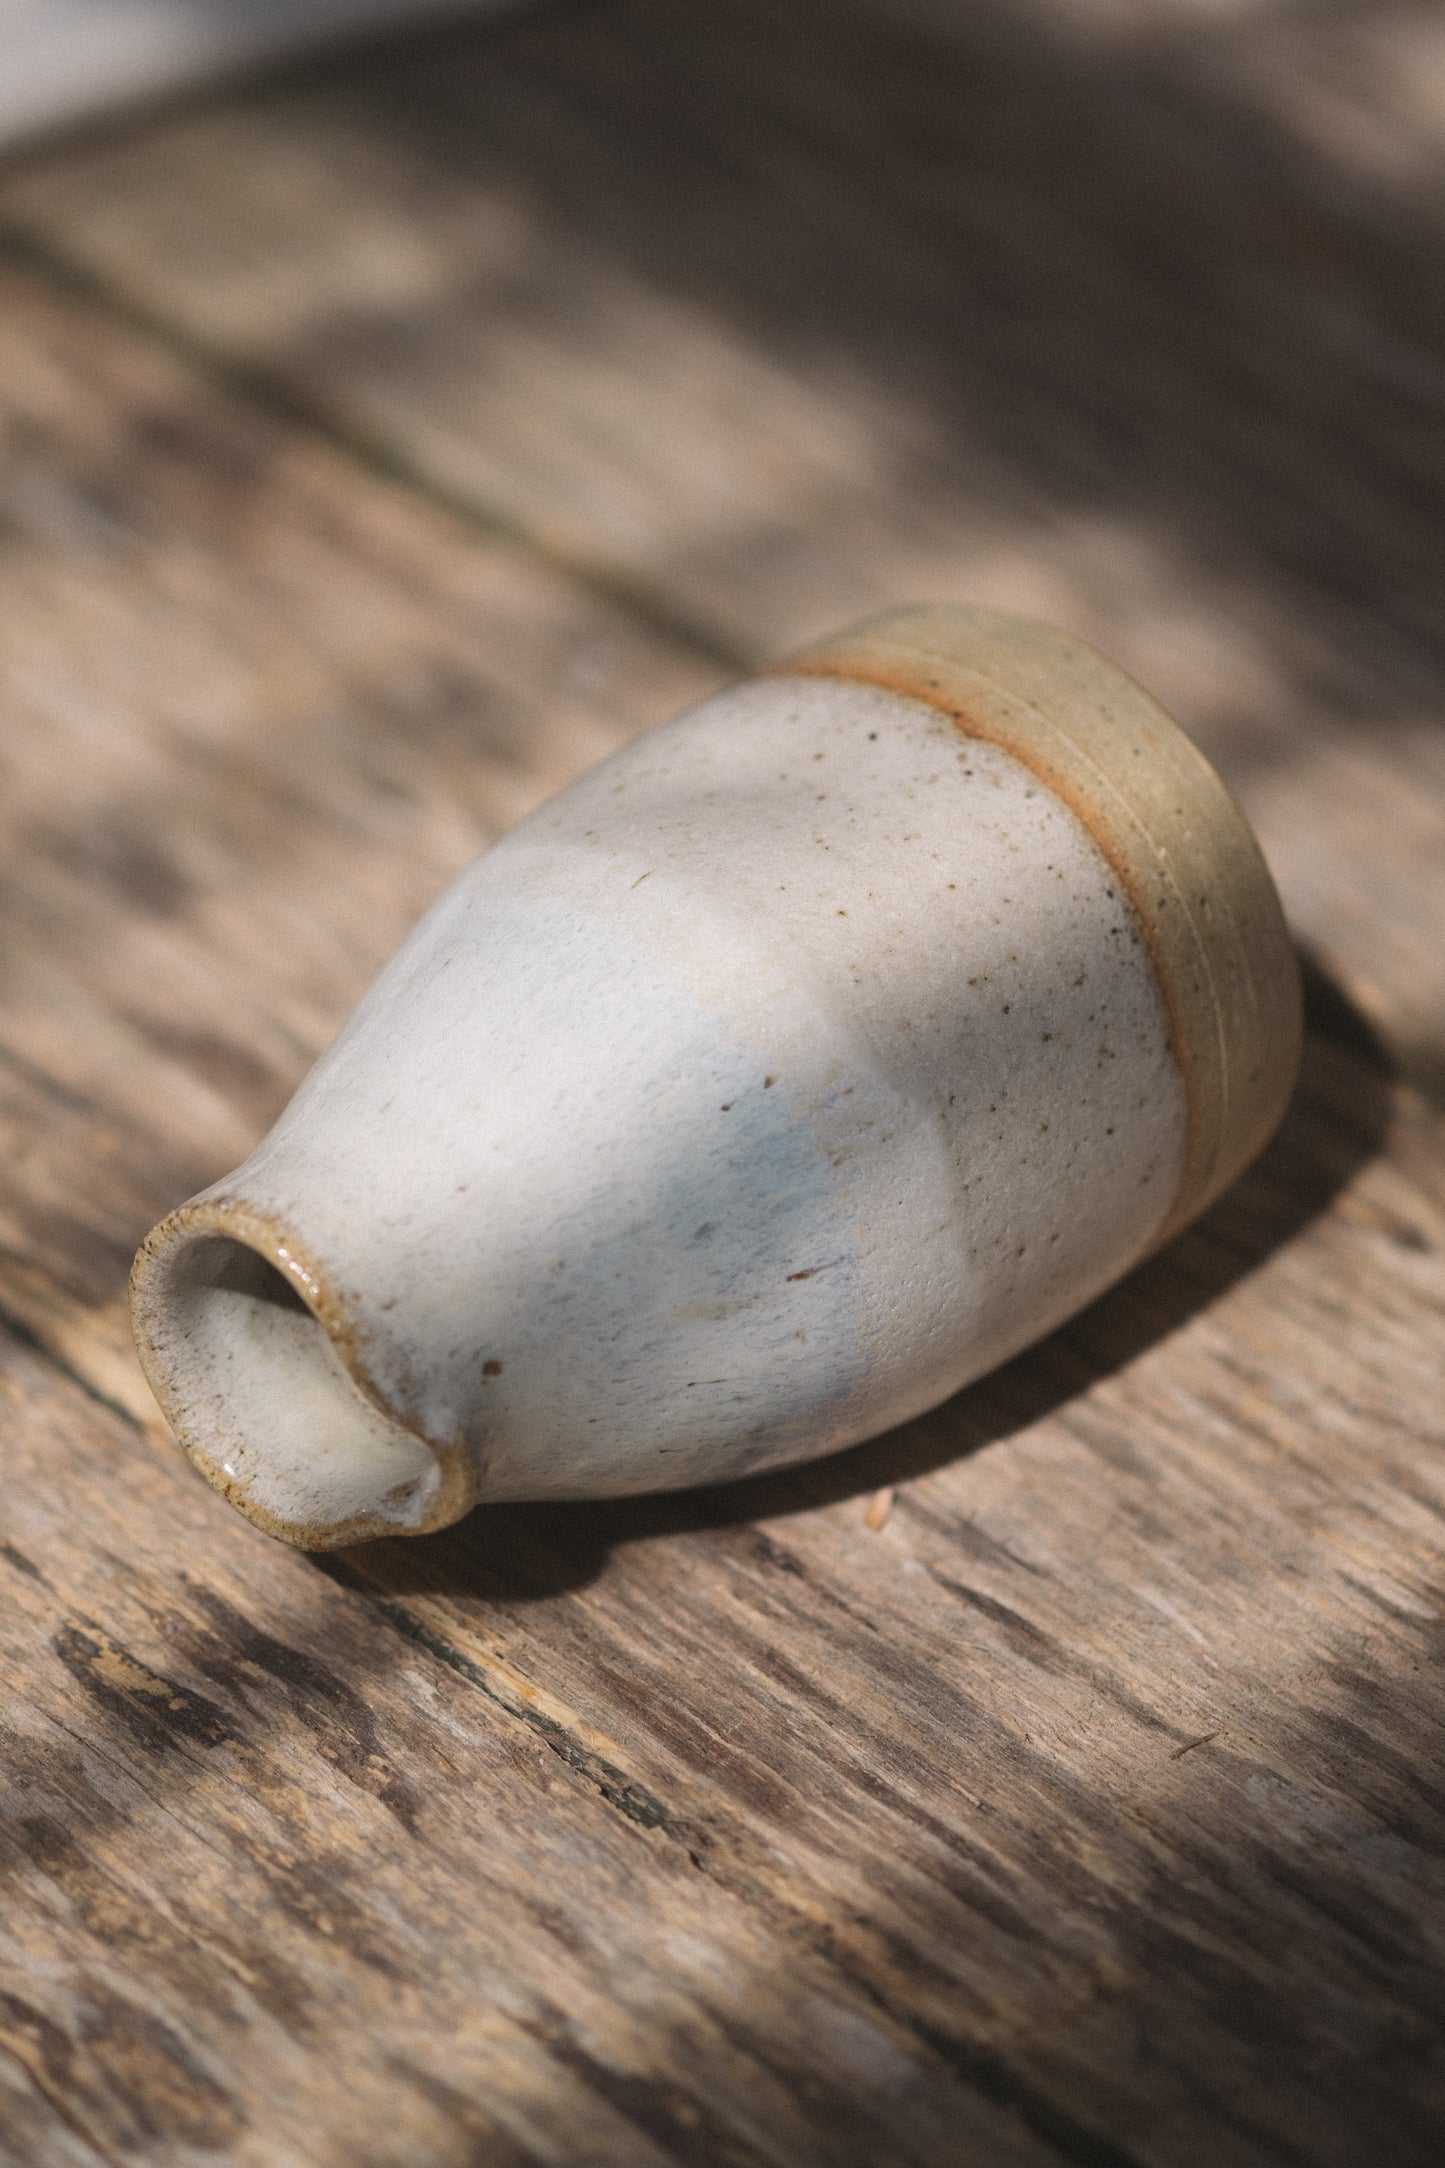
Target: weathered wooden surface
383,444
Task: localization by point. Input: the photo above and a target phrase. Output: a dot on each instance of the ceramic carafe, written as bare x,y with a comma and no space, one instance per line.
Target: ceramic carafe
789,1070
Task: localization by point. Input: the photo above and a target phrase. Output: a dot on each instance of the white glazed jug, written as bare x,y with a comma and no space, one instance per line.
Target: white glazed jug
794,1067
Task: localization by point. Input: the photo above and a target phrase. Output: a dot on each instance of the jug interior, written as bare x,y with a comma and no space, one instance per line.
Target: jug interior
270,1401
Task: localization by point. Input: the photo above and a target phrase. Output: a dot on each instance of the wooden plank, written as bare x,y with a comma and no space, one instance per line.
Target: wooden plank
767,318
1080,1807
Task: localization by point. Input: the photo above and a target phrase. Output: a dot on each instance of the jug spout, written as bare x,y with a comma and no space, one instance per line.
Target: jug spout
783,1074
261,1369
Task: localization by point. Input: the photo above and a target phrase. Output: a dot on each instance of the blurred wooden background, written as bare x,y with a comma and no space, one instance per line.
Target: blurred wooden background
383,442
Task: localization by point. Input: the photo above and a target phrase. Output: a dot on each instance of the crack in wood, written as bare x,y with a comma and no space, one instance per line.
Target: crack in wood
31,1340
624,1793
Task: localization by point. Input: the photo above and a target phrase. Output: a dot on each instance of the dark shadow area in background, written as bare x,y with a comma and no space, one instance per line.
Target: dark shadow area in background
1086,252
1335,1123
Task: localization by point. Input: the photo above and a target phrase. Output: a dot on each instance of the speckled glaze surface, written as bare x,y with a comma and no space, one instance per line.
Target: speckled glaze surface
789,1070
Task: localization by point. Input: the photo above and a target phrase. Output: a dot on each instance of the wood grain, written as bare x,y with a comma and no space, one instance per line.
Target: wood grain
385,443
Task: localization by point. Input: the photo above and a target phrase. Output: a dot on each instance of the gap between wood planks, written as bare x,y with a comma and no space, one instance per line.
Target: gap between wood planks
273,394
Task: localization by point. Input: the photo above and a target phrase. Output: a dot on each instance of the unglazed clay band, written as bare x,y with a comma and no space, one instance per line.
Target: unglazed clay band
1165,823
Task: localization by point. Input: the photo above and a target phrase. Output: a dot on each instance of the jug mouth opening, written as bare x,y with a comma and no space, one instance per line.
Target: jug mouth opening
256,1365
